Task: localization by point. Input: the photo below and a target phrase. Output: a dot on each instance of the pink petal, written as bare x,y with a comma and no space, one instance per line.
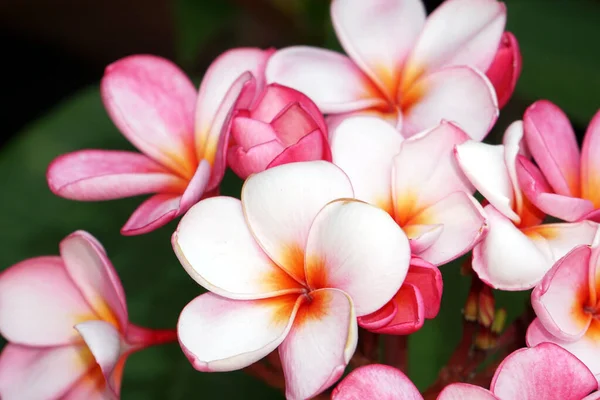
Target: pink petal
379,318
105,344
39,303
463,225
458,94
92,175
506,258
484,165
428,280
538,191
543,372
247,132
219,78
358,248
461,391
281,203
293,123
505,68
215,246
593,396
152,102
311,147
420,181
219,334
92,272
553,144
40,373
421,236
254,160
590,167
319,345
410,312
153,213
460,32
376,381
559,299
330,79
364,147
378,36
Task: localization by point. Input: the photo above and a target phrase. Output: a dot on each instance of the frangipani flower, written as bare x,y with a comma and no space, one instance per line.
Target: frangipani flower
416,180
412,70
66,322
291,265
567,187
282,126
181,133
567,305
542,372
517,251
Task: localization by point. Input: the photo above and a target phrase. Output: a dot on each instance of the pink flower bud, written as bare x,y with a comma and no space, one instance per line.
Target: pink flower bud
506,68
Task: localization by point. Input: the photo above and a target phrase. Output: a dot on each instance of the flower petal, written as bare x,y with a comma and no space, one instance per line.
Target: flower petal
460,32
364,148
376,381
330,79
410,312
311,147
543,372
484,165
538,191
553,145
39,303
358,248
92,272
153,213
590,167
461,391
105,344
506,258
321,342
463,224
254,160
152,102
559,299
425,171
92,175
40,373
281,203
428,280
505,68
458,94
215,246
219,334
378,35
379,318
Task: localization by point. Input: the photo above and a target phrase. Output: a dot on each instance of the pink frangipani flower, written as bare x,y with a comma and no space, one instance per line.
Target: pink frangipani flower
566,182
66,322
290,266
282,126
182,134
416,180
567,306
518,249
411,70
506,68
543,372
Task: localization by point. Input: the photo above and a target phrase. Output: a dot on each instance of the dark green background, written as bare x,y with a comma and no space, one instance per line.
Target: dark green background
559,42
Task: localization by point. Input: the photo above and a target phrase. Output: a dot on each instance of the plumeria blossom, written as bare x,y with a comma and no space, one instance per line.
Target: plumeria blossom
290,266
543,372
568,308
566,184
518,249
66,322
416,180
411,70
181,133
282,126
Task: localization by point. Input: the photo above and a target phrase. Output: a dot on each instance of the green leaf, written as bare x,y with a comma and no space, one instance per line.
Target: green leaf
157,287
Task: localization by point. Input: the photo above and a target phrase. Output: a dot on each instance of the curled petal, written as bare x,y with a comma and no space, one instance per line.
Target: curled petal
410,312
219,334
330,79
461,391
311,147
505,68
379,318
92,175
358,248
281,203
590,167
216,247
153,213
316,351
376,381
428,280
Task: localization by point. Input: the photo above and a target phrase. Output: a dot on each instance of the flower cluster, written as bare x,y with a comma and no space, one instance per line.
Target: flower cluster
360,177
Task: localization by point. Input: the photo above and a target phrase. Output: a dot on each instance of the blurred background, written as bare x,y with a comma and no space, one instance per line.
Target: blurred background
54,54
